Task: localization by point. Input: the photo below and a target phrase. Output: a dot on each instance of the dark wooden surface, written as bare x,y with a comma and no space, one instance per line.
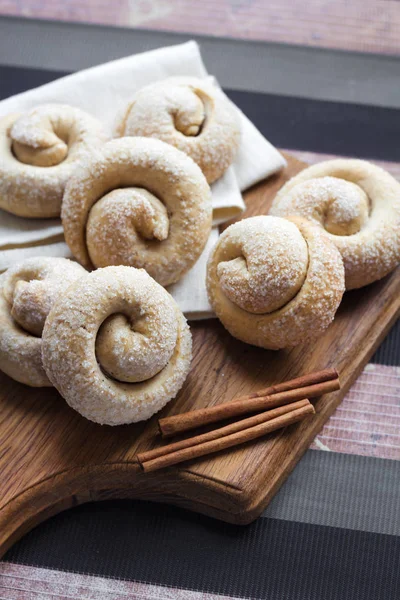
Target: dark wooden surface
52,459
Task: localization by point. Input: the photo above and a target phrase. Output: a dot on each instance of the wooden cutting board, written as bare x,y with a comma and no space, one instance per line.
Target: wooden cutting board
52,459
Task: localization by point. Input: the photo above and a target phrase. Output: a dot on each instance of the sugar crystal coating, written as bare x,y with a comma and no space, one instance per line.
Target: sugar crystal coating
270,265
116,346
189,113
357,204
300,280
39,152
28,291
138,202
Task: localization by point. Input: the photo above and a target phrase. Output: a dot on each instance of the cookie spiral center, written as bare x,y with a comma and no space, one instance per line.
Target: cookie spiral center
38,140
30,301
346,208
127,350
130,348
31,288
125,219
340,206
189,114
266,264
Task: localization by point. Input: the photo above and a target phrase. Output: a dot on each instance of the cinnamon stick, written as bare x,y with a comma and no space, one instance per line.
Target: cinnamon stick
226,441
294,384
170,426
222,431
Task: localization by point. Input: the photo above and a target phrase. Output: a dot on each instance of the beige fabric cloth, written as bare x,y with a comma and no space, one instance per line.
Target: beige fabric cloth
104,91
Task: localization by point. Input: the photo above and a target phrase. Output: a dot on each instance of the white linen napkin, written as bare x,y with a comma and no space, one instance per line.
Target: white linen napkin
103,91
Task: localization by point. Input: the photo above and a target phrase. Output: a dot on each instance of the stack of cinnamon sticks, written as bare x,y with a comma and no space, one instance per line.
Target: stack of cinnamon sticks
277,406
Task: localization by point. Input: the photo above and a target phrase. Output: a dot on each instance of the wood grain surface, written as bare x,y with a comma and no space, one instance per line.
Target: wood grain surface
52,459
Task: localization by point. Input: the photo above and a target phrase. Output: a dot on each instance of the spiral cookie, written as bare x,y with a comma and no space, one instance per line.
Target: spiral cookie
141,203
191,114
39,152
116,346
27,292
358,205
274,282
